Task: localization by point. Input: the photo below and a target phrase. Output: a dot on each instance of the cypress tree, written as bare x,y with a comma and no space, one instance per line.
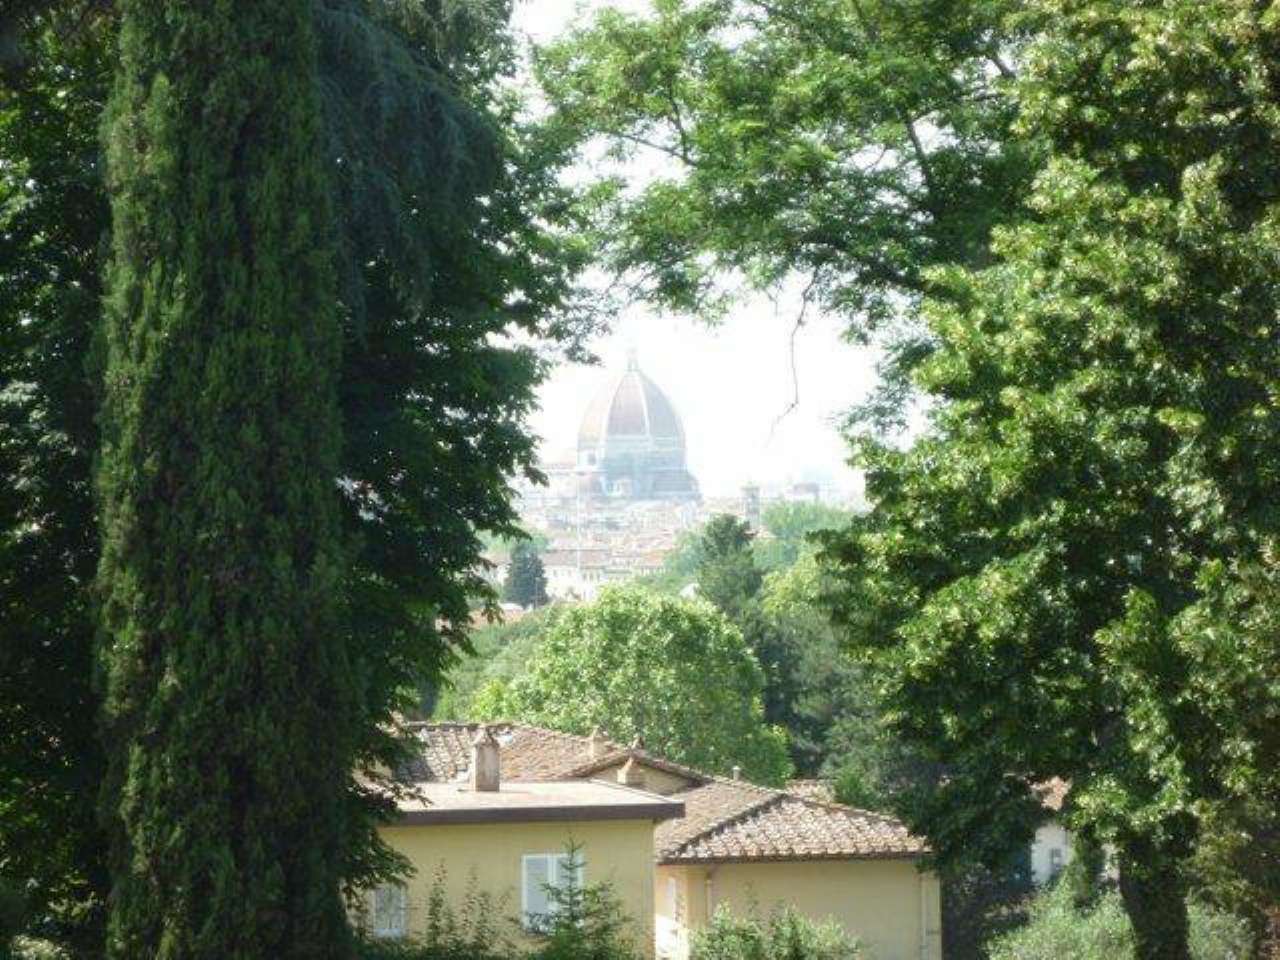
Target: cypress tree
526,582
228,714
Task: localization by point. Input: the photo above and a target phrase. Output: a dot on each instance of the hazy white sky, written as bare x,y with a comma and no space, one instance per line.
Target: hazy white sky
730,384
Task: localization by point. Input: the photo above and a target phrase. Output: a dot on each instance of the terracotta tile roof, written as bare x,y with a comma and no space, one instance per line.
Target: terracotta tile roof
526,753
1053,793
705,808
729,820
823,791
724,820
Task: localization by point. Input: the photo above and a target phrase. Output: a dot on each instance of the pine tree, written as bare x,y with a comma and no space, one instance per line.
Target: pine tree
228,711
526,582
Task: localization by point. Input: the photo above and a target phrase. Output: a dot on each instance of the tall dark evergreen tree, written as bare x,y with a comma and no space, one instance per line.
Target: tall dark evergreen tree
228,705
445,214
526,582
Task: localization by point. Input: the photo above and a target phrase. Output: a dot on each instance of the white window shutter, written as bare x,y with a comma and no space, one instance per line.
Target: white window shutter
537,869
390,906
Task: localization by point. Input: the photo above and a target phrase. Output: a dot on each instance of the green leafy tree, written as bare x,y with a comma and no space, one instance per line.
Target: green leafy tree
727,572
526,582
789,526
1101,931
851,144
675,673
833,718
444,207
230,708
727,575
1046,568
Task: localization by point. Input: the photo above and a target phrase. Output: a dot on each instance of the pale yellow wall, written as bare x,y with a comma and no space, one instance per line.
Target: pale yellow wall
619,851
889,905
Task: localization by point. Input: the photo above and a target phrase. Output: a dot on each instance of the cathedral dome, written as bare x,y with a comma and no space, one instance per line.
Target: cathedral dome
631,406
631,443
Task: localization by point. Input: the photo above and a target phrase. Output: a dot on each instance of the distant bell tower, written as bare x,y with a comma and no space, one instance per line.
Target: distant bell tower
751,505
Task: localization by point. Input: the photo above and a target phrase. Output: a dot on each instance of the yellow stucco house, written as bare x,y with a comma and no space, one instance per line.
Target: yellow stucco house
496,807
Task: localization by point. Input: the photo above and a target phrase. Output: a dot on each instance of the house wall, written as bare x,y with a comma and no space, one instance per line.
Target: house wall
617,851
1049,837
889,905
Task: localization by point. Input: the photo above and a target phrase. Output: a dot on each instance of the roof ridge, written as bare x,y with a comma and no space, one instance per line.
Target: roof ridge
594,764
847,808
730,820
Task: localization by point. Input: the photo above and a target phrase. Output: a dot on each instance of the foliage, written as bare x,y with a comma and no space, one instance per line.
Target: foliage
588,922
478,929
526,582
1236,865
790,525
981,904
1103,932
784,935
52,216
1076,531
727,573
499,652
675,673
448,225
230,716
850,144
29,948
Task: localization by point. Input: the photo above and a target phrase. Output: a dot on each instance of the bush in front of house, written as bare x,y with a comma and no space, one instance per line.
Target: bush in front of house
783,935
1057,929
587,923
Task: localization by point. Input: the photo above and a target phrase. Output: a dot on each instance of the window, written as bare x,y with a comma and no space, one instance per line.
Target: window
390,904
542,873
1055,862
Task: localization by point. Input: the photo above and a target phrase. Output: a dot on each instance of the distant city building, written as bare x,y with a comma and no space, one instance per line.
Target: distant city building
631,444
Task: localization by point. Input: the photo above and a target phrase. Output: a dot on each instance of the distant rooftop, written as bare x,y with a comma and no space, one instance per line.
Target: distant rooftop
534,801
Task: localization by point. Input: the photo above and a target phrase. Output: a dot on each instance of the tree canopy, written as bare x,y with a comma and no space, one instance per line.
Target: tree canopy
848,145
673,672
1049,574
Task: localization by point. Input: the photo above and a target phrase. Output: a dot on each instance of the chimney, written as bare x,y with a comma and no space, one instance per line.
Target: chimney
596,744
631,774
737,772
485,775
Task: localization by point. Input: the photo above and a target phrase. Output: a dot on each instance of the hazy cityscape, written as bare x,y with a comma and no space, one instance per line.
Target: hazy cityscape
616,506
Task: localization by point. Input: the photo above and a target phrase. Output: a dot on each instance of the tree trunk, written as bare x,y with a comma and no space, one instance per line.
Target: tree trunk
1154,892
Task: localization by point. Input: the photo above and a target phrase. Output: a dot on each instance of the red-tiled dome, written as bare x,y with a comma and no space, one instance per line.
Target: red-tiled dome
630,406
631,443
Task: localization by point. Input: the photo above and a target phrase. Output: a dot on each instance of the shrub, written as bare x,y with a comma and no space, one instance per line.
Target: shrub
29,948
784,935
587,923
1057,929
